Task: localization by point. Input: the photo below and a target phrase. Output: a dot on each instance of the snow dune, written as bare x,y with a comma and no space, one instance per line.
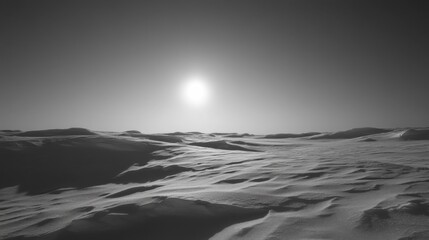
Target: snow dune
415,134
352,133
80,184
291,135
56,132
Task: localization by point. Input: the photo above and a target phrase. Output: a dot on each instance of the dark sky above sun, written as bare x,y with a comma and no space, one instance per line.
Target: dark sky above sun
270,66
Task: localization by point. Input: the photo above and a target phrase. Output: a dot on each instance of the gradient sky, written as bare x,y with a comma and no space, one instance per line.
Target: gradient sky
272,66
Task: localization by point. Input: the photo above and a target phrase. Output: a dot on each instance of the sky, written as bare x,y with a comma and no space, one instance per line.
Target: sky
269,66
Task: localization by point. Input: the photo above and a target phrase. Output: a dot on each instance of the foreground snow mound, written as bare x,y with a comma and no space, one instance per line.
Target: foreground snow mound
352,133
160,218
412,212
414,134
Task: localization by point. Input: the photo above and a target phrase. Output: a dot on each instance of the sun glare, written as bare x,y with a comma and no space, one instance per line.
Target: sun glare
195,91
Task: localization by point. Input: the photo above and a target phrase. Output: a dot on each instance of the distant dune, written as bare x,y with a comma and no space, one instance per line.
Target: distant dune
56,132
220,145
179,133
9,131
67,184
156,137
414,134
236,135
291,135
352,133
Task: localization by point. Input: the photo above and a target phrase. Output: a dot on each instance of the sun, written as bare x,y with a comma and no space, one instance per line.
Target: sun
195,90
